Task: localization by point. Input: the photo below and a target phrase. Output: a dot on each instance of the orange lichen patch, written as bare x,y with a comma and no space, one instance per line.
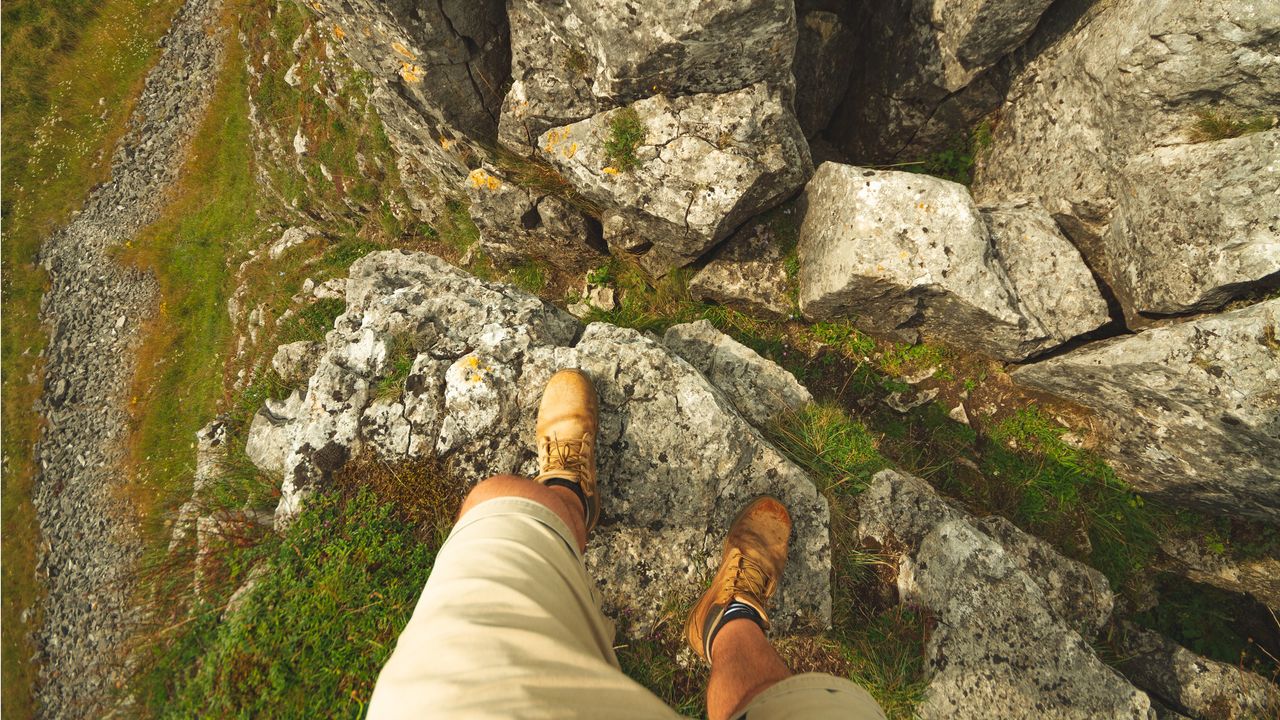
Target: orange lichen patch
481,179
445,142
475,370
409,72
402,50
609,170
554,138
339,33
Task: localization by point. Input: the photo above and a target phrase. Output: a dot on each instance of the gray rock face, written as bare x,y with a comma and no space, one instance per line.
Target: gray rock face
677,461
706,164
1195,225
916,56
824,61
439,71
1189,411
297,360
1196,685
1053,285
571,60
898,511
1133,74
911,254
999,650
516,224
747,272
760,389
1012,614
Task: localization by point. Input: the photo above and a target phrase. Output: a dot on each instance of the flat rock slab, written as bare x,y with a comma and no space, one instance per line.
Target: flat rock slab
677,460
1188,412
910,255
1012,615
747,272
706,164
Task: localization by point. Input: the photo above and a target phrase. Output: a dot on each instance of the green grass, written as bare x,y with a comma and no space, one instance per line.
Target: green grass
401,355
71,71
529,275
1210,124
312,636
312,322
179,381
626,133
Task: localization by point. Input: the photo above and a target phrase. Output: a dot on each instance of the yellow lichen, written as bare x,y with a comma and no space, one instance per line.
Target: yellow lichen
481,179
409,72
610,170
339,33
401,49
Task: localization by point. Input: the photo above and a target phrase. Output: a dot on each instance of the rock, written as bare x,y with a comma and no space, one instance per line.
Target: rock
331,289
1196,685
998,649
1196,225
679,459
824,61
1134,74
1053,285
570,61
898,511
747,272
760,389
438,72
297,360
910,254
269,433
915,57
1256,575
516,224
706,163
299,142
1188,411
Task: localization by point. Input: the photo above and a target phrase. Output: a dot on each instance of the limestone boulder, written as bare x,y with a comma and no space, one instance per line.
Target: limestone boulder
1188,412
823,64
706,163
1094,129
1013,616
1257,574
297,360
571,60
1195,685
1053,285
747,272
760,389
915,57
516,224
1195,225
677,460
438,72
911,255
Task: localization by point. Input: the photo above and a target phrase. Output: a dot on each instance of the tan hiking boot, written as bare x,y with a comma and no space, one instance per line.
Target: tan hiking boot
755,553
568,419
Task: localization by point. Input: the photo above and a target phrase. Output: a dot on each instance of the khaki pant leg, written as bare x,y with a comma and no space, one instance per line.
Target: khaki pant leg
509,626
812,696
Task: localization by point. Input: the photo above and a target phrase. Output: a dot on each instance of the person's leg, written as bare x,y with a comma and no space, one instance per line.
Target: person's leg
560,500
745,665
727,629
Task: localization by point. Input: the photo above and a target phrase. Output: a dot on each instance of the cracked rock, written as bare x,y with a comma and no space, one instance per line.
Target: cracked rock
706,163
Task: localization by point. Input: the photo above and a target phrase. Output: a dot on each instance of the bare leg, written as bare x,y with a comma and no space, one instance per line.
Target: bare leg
744,664
559,500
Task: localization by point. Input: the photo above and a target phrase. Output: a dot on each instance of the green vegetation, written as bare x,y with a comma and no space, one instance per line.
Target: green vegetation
955,161
529,275
626,132
336,590
1208,621
400,357
1210,124
312,322
70,71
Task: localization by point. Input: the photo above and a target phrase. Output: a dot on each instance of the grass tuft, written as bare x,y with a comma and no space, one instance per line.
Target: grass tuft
1210,124
626,133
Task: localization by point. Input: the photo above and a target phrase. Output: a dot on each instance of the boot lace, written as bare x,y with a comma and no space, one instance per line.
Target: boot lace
747,578
571,455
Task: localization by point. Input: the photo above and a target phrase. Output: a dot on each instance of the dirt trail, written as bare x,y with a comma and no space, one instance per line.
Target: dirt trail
93,312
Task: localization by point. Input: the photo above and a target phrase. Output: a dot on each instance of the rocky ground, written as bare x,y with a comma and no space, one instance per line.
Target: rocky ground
1111,245
94,309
